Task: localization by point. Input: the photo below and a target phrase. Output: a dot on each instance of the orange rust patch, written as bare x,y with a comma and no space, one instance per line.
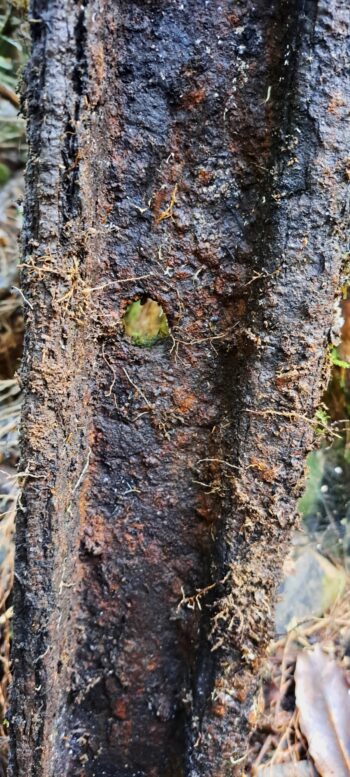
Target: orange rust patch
94,536
205,176
119,709
204,508
233,19
168,211
241,693
287,377
132,542
193,98
268,474
336,102
219,710
158,201
183,400
220,285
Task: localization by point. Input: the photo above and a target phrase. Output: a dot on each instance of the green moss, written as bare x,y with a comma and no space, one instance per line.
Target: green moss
4,173
322,421
145,323
336,361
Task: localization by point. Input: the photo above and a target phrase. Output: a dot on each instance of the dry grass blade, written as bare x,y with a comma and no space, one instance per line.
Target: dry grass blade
323,699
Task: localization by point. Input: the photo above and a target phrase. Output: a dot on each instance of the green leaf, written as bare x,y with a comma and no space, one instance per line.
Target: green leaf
5,173
336,361
12,42
6,63
145,322
315,463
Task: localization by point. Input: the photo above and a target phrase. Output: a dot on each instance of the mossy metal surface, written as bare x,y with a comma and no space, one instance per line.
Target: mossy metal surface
153,475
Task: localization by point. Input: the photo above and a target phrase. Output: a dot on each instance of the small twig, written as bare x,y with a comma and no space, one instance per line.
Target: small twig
90,289
42,655
198,272
15,288
283,679
292,414
265,748
220,336
292,724
168,212
269,90
6,616
219,461
109,392
141,210
131,490
235,761
283,413
263,274
213,488
83,472
192,601
10,95
139,391
87,688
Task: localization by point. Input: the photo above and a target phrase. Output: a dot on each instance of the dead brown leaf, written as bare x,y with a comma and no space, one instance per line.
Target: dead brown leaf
297,769
323,699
